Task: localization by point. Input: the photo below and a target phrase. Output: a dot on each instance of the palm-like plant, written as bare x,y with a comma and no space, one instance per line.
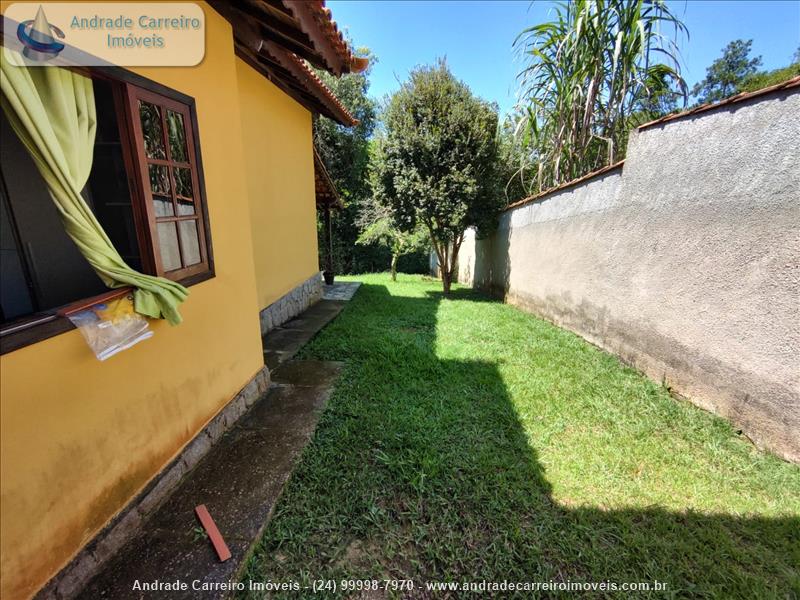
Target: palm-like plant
591,68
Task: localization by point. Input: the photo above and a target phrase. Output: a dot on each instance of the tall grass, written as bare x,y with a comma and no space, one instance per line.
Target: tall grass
592,71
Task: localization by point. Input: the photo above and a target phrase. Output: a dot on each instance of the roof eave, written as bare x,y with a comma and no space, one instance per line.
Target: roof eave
306,76
276,60
318,24
331,196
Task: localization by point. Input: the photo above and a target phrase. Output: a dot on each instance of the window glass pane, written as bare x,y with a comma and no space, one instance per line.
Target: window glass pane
168,242
183,182
163,206
159,180
190,242
150,116
185,207
177,137
16,298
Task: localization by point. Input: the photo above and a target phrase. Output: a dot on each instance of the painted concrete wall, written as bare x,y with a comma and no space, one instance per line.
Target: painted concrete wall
80,437
280,179
685,262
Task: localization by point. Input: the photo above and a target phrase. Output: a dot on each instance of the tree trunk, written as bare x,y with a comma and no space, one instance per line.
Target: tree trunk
394,267
450,268
446,280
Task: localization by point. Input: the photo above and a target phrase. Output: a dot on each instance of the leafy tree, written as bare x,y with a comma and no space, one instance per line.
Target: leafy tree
727,74
590,69
378,227
345,153
764,79
344,150
436,166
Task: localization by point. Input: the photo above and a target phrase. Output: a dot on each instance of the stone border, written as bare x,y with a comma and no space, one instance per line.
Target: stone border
68,582
291,304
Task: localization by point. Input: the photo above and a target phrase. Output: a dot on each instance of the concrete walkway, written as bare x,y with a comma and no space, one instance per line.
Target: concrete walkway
239,480
282,343
340,291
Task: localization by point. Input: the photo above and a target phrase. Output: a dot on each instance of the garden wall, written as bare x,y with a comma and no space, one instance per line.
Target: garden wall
685,261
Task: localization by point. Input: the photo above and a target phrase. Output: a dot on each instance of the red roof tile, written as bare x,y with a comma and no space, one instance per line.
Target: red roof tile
316,21
349,119
325,19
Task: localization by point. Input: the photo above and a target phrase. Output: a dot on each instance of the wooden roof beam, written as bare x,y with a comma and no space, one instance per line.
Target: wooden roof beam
283,28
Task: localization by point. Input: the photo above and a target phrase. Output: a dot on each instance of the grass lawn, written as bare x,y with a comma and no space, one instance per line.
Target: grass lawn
469,441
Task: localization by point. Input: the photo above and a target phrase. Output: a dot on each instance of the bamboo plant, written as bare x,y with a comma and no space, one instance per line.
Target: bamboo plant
592,71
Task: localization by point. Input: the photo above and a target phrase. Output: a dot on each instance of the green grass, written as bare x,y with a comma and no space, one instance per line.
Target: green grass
469,441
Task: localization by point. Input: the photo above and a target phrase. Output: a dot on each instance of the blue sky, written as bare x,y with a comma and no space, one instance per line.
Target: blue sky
476,37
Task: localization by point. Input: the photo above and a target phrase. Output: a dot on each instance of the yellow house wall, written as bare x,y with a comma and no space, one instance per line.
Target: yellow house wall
280,165
79,437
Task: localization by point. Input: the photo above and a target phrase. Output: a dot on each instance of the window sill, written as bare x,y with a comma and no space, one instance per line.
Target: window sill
43,326
37,328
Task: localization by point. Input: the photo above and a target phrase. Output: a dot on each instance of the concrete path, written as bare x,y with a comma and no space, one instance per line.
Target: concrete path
340,291
239,480
282,343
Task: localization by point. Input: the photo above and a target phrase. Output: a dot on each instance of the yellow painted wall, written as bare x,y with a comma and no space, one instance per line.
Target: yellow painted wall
79,437
280,164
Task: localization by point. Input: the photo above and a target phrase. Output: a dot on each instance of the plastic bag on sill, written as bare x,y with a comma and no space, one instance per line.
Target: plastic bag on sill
111,326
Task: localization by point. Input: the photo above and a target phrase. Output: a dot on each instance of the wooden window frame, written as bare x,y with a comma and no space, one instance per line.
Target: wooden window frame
128,86
135,95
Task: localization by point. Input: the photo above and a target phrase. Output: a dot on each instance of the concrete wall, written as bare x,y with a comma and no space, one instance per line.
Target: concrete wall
81,437
685,262
280,182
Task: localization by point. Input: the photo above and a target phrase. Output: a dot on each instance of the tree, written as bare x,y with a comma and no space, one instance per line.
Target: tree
726,74
345,153
436,166
764,79
377,226
590,69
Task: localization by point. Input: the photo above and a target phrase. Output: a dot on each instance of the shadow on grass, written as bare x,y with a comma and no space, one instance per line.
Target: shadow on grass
461,293
420,469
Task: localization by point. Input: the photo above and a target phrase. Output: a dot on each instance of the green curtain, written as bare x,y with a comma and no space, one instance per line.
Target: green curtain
52,111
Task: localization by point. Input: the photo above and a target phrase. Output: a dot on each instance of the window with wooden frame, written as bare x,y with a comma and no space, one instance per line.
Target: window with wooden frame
165,161
146,189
